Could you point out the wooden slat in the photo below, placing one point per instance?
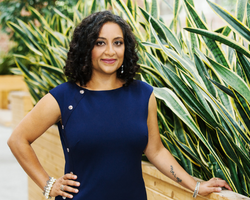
(21, 104)
(35, 193)
(10, 83)
(50, 154)
(53, 146)
(156, 183)
(154, 195)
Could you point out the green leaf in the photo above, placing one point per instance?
(147, 6)
(226, 31)
(163, 120)
(193, 156)
(194, 40)
(227, 75)
(57, 37)
(130, 5)
(16, 71)
(156, 65)
(228, 147)
(176, 8)
(155, 9)
(183, 61)
(176, 12)
(200, 97)
(191, 2)
(244, 183)
(52, 69)
(93, 6)
(163, 31)
(24, 37)
(248, 15)
(204, 74)
(77, 17)
(154, 74)
(228, 118)
(39, 36)
(223, 88)
(38, 16)
(240, 9)
(185, 163)
(186, 94)
(242, 108)
(221, 38)
(129, 16)
(23, 69)
(214, 48)
(51, 82)
(63, 16)
(245, 65)
(179, 130)
(215, 168)
(35, 95)
(240, 28)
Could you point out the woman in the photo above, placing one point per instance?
(105, 118)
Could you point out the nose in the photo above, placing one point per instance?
(109, 50)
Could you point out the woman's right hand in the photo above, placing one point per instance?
(63, 186)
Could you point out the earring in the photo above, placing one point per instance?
(122, 70)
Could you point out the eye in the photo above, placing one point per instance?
(118, 43)
(100, 43)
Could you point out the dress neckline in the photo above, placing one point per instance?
(98, 90)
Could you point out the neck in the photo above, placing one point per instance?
(104, 83)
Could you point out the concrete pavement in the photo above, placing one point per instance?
(13, 180)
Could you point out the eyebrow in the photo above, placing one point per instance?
(114, 38)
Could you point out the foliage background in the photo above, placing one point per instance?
(11, 10)
(201, 77)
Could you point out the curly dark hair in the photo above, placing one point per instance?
(79, 63)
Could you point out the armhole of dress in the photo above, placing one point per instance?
(149, 100)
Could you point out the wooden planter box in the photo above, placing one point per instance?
(49, 151)
(10, 83)
(21, 104)
(159, 187)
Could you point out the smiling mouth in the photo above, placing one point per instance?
(109, 61)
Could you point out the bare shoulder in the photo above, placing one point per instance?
(152, 108)
(152, 115)
(44, 114)
(47, 104)
(154, 141)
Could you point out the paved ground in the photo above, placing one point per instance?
(13, 180)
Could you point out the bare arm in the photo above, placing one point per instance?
(35, 123)
(159, 156)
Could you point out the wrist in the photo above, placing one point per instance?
(48, 186)
(196, 190)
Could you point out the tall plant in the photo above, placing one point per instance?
(201, 79)
(11, 10)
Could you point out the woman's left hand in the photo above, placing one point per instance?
(213, 185)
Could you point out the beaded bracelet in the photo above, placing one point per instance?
(48, 186)
(196, 190)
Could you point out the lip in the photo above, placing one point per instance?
(109, 61)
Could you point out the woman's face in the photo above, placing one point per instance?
(108, 52)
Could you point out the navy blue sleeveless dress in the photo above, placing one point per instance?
(103, 134)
